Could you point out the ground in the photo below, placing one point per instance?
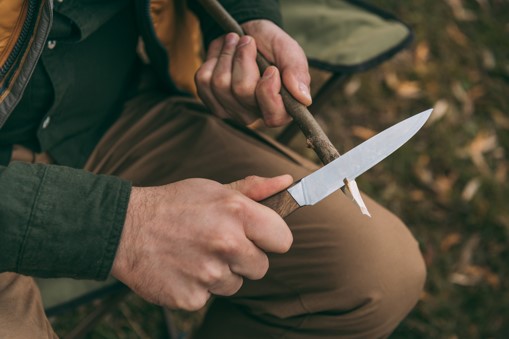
(448, 183)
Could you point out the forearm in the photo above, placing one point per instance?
(59, 222)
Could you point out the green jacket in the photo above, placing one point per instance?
(61, 221)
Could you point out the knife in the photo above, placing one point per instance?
(331, 177)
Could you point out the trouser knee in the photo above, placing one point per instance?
(380, 286)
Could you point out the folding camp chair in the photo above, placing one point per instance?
(341, 37)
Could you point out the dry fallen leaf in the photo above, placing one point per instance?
(392, 80)
(456, 35)
(501, 173)
(483, 142)
(459, 11)
(471, 189)
(443, 185)
(362, 132)
(473, 275)
(501, 120)
(488, 59)
(449, 241)
(352, 87)
(422, 170)
(409, 89)
(417, 195)
(422, 52)
(439, 110)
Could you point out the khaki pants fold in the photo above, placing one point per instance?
(346, 275)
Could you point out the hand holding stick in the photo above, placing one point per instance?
(315, 136)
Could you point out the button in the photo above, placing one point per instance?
(52, 44)
(46, 122)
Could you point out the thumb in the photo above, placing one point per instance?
(294, 69)
(259, 188)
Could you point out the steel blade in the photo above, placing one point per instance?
(328, 179)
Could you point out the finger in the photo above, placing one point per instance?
(193, 300)
(251, 263)
(263, 226)
(222, 76)
(266, 229)
(294, 69)
(203, 78)
(269, 100)
(229, 285)
(245, 73)
(259, 188)
(215, 48)
(221, 82)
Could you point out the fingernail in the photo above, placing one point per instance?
(232, 39)
(269, 73)
(244, 40)
(305, 91)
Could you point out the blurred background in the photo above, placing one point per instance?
(448, 183)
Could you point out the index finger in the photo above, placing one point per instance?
(266, 229)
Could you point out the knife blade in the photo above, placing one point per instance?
(331, 177)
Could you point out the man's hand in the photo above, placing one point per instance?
(185, 241)
(229, 81)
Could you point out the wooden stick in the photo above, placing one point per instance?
(315, 136)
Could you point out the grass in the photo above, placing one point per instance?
(448, 184)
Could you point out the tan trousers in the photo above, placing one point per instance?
(346, 275)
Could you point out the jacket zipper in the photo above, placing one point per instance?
(23, 38)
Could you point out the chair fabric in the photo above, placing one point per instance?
(344, 36)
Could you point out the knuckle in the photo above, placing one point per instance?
(228, 245)
(221, 81)
(193, 302)
(235, 204)
(244, 90)
(203, 77)
(211, 275)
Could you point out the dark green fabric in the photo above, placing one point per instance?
(5, 154)
(75, 122)
(91, 78)
(60, 221)
(344, 36)
(22, 125)
(110, 50)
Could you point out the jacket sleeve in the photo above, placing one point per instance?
(242, 11)
(57, 221)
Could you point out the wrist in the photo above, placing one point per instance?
(125, 257)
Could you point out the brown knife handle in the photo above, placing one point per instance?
(282, 202)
